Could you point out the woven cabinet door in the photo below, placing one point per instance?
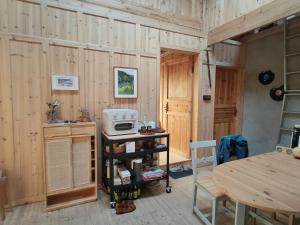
(81, 159)
(58, 164)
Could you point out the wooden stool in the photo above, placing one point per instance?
(3, 196)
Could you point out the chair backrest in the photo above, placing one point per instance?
(201, 146)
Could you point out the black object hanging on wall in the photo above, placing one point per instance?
(266, 77)
(277, 93)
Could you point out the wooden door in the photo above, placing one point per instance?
(58, 164)
(177, 102)
(228, 102)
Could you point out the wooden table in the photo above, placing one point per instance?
(269, 182)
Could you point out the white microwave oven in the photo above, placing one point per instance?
(120, 121)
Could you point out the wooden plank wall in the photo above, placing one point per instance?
(188, 11)
(230, 54)
(219, 12)
(185, 8)
(39, 38)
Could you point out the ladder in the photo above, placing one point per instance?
(290, 114)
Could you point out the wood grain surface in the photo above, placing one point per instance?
(269, 182)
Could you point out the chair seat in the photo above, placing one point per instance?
(209, 185)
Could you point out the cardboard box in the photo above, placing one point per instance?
(130, 147)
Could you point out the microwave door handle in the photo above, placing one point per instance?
(123, 121)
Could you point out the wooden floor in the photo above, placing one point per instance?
(164, 209)
(174, 158)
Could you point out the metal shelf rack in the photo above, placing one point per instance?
(110, 155)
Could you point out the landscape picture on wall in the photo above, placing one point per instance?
(65, 82)
(125, 82)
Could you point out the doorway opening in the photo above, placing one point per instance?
(228, 102)
(179, 102)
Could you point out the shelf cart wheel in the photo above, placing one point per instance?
(168, 189)
(112, 205)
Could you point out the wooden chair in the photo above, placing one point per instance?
(3, 197)
(205, 183)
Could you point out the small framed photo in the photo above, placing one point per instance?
(62, 82)
(125, 82)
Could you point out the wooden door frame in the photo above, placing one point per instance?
(195, 92)
(240, 93)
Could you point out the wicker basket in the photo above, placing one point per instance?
(119, 148)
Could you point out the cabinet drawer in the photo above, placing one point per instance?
(83, 130)
(56, 131)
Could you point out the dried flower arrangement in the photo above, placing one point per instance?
(85, 115)
(53, 112)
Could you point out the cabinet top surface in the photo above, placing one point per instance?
(68, 124)
(134, 136)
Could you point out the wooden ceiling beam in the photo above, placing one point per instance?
(136, 9)
(295, 23)
(99, 8)
(268, 13)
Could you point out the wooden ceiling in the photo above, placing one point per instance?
(267, 14)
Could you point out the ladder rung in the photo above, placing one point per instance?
(292, 92)
(292, 54)
(291, 112)
(292, 36)
(286, 129)
(292, 73)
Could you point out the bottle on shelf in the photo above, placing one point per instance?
(116, 195)
(145, 121)
(139, 192)
(135, 192)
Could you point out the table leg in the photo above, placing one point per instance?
(240, 214)
(2, 199)
(111, 181)
(168, 162)
(291, 219)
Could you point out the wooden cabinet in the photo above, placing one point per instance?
(70, 164)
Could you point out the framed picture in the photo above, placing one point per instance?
(125, 82)
(60, 82)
